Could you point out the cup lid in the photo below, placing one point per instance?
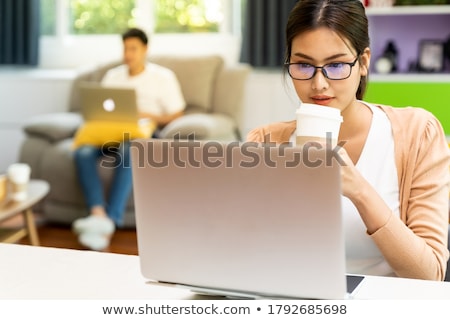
(320, 111)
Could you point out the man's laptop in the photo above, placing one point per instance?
(241, 220)
(100, 103)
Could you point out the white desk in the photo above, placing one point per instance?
(28, 272)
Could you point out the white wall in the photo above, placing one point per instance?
(26, 92)
(269, 98)
(86, 51)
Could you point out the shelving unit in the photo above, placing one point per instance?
(406, 26)
(410, 77)
(408, 10)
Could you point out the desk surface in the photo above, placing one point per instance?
(28, 272)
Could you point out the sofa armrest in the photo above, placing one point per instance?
(201, 126)
(55, 126)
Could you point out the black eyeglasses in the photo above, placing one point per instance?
(332, 71)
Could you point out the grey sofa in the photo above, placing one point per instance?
(214, 95)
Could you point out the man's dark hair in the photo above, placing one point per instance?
(135, 33)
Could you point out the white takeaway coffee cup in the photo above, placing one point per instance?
(18, 177)
(315, 123)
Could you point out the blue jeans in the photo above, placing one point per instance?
(86, 160)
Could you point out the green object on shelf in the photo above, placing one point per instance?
(432, 96)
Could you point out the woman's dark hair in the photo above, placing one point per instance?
(345, 17)
(135, 33)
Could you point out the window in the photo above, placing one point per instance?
(68, 27)
(48, 17)
(87, 17)
(178, 16)
(101, 16)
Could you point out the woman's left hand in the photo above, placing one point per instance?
(371, 207)
(351, 179)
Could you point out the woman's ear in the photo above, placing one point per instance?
(365, 62)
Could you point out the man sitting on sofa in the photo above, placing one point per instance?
(160, 99)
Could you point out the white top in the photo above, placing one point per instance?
(377, 165)
(157, 89)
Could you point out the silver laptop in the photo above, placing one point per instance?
(100, 103)
(242, 220)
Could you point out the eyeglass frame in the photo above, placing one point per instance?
(351, 64)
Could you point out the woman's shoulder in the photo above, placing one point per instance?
(408, 112)
(278, 132)
(413, 121)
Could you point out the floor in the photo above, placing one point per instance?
(124, 241)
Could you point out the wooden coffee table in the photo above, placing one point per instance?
(37, 189)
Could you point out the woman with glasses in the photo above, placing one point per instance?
(395, 178)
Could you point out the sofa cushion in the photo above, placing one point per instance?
(54, 127)
(235, 79)
(201, 126)
(31, 153)
(197, 77)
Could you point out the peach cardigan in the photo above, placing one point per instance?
(415, 245)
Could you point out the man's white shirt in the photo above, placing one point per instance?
(157, 89)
